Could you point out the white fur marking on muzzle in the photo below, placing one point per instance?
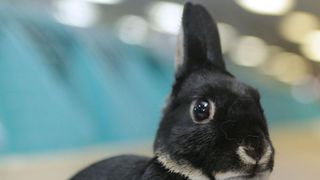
(244, 157)
(266, 156)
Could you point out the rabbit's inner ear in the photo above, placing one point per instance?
(179, 58)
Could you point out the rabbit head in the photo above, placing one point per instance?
(213, 126)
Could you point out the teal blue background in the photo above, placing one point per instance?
(62, 89)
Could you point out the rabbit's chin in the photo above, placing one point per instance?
(231, 175)
(186, 169)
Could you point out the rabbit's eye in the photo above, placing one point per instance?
(202, 110)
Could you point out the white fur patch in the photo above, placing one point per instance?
(233, 175)
(244, 157)
(183, 168)
(266, 156)
(227, 175)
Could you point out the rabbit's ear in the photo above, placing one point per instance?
(199, 42)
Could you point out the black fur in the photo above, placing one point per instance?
(210, 147)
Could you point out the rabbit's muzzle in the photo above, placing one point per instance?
(246, 127)
(250, 158)
(252, 165)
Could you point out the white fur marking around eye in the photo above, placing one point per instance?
(212, 112)
(183, 168)
(245, 158)
(266, 156)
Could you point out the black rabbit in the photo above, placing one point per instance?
(213, 126)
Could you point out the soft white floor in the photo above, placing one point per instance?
(297, 158)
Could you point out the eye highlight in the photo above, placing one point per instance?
(202, 110)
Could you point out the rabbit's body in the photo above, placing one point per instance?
(127, 167)
(213, 126)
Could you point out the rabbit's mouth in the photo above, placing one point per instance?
(242, 176)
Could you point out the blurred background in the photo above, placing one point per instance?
(81, 80)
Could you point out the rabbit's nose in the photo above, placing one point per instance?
(247, 155)
(252, 153)
(251, 156)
